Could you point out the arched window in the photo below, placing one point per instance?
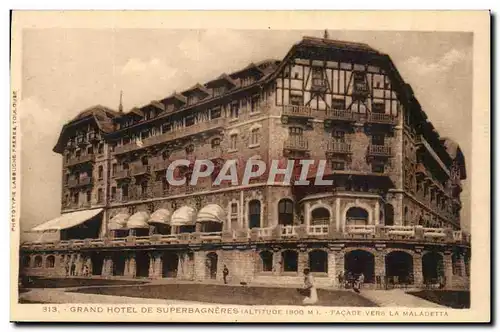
(101, 172)
(389, 214)
(144, 161)
(290, 260)
(318, 261)
(357, 216)
(285, 212)
(266, 258)
(125, 165)
(189, 149)
(50, 262)
(320, 216)
(26, 261)
(255, 136)
(38, 261)
(215, 143)
(254, 214)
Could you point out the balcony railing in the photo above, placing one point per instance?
(198, 128)
(93, 136)
(121, 174)
(360, 229)
(318, 84)
(382, 118)
(337, 146)
(288, 231)
(318, 229)
(340, 115)
(379, 150)
(80, 160)
(74, 183)
(136, 170)
(297, 111)
(82, 140)
(410, 233)
(297, 143)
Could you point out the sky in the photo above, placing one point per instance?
(68, 70)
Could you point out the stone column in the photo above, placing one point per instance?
(152, 265)
(307, 213)
(277, 268)
(303, 260)
(332, 273)
(159, 265)
(339, 258)
(380, 262)
(376, 211)
(448, 268)
(338, 221)
(107, 266)
(199, 265)
(130, 263)
(418, 278)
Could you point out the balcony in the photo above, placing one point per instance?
(94, 136)
(160, 165)
(318, 229)
(81, 140)
(137, 170)
(296, 143)
(75, 183)
(184, 132)
(296, 111)
(319, 85)
(88, 158)
(340, 115)
(121, 174)
(376, 150)
(338, 147)
(382, 118)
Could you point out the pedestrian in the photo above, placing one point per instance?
(73, 269)
(361, 280)
(309, 289)
(225, 273)
(66, 268)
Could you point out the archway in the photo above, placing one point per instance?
(141, 264)
(38, 261)
(211, 265)
(356, 216)
(285, 212)
(360, 261)
(118, 265)
(432, 267)
(320, 216)
(170, 265)
(50, 262)
(26, 261)
(290, 261)
(399, 267)
(318, 261)
(266, 261)
(389, 214)
(97, 260)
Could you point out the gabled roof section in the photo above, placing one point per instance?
(249, 68)
(194, 88)
(339, 44)
(456, 154)
(174, 97)
(224, 78)
(101, 115)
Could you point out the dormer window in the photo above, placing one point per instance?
(189, 120)
(215, 113)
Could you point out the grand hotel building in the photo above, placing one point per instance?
(393, 211)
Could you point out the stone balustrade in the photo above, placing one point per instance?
(280, 232)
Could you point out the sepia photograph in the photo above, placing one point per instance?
(250, 171)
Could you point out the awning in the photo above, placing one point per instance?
(118, 222)
(211, 212)
(138, 220)
(160, 216)
(183, 216)
(67, 220)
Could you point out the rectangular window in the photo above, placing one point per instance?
(233, 142)
(234, 208)
(338, 135)
(144, 188)
(189, 120)
(235, 110)
(255, 137)
(254, 107)
(125, 191)
(89, 196)
(378, 139)
(113, 193)
(378, 107)
(100, 196)
(296, 100)
(338, 165)
(215, 113)
(166, 127)
(378, 167)
(338, 104)
(113, 168)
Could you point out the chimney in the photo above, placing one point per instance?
(120, 106)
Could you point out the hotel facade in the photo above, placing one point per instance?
(392, 212)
